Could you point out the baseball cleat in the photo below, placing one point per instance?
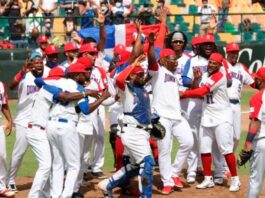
(191, 178)
(6, 193)
(167, 190)
(98, 175)
(207, 183)
(12, 187)
(235, 184)
(177, 182)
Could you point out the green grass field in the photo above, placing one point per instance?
(29, 164)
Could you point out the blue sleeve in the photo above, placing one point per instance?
(80, 88)
(39, 82)
(185, 79)
(84, 106)
(55, 91)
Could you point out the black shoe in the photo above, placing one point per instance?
(98, 175)
(12, 187)
(77, 195)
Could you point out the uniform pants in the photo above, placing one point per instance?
(180, 129)
(236, 110)
(20, 148)
(65, 143)
(3, 168)
(257, 169)
(38, 141)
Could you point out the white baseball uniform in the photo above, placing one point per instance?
(27, 91)
(257, 168)
(166, 104)
(240, 77)
(64, 141)
(3, 167)
(193, 110)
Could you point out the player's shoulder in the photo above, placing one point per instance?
(217, 76)
(257, 96)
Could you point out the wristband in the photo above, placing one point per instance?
(250, 136)
(84, 94)
(18, 76)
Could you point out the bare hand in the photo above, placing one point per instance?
(139, 59)
(101, 18)
(8, 128)
(138, 23)
(117, 97)
(76, 37)
(163, 17)
(248, 147)
(26, 67)
(92, 93)
(197, 73)
(105, 94)
(151, 38)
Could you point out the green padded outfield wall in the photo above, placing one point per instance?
(252, 55)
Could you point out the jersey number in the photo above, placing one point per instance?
(209, 98)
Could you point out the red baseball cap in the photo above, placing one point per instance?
(85, 61)
(137, 69)
(70, 46)
(118, 49)
(51, 49)
(208, 38)
(230, 47)
(166, 52)
(42, 39)
(88, 47)
(77, 68)
(123, 58)
(56, 71)
(260, 73)
(196, 40)
(217, 57)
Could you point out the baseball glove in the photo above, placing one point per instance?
(244, 156)
(158, 131)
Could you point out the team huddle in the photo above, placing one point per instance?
(193, 97)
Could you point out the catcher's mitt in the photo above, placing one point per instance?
(158, 131)
(243, 157)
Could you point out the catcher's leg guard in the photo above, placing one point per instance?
(122, 176)
(146, 177)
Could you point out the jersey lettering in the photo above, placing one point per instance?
(238, 76)
(32, 89)
(202, 68)
(169, 78)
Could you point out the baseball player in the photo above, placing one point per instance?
(136, 107)
(52, 55)
(27, 91)
(71, 53)
(43, 42)
(165, 83)
(193, 106)
(216, 120)
(255, 137)
(4, 192)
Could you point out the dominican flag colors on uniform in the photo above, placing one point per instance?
(118, 34)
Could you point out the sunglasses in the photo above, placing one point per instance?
(178, 42)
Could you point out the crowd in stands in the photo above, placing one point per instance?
(27, 19)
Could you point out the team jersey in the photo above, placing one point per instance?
(257, 111)
(240, 77)
(101, 61)
(27, 91)
(99, 75)
(180, 68)
(216, 106)
(67, 110)
(65, 64)
(3, 95)
(41, 106)
(165, 87)
(135, 104)
(193, 63)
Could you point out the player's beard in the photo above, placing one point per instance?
(37, 73)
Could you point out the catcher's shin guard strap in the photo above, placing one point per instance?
(146, 177)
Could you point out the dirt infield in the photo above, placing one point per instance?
(189, 191)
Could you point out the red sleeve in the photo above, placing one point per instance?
(5, 98)
(161, 36)
(225, 64)
(121, 78)
(153, 67)
(214, 79)
(196, 93)
(103, 76)
(255, 105)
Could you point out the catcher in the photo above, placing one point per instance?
(254, 149)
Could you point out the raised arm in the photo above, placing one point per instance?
(152, 64)
(162, 31)
(102, 32)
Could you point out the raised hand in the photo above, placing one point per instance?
(101, 18)
(163, 17)
(151, 38)
(138, 24)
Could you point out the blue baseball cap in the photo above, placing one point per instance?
(34, 55)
